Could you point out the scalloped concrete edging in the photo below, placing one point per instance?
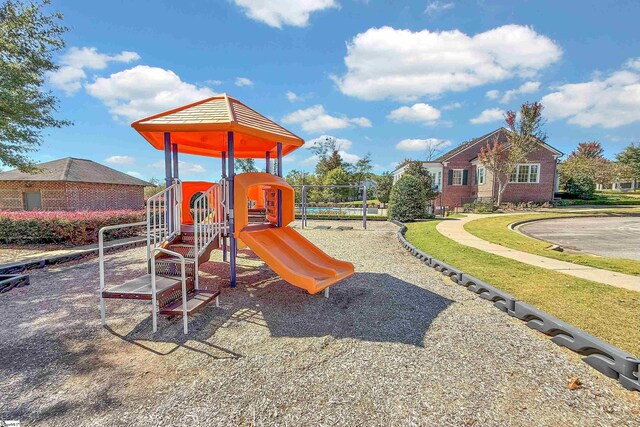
(10, 281)
(603, 357)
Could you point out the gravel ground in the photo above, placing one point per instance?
(394, 345)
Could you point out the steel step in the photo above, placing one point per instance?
(140, 288)
(195, 301)
(173, 268)
(184, 249)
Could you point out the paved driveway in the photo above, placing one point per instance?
(617, 237)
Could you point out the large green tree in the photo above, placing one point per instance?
(629, 160)
(29, 36)
(336, 176)
(246, 165)
(383, 189)
(416, 169)
(408, 200)
(587, 160)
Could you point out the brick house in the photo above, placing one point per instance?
(460, 177)
(71, 184)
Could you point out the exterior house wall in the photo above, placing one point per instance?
(543, 190)
(465, 158)
(71, 196)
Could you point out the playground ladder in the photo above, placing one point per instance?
(174, 253)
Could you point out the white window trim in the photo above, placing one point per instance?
(537, 181)
(461, 177)
(484, 175)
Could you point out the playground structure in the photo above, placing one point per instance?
(304, 203)
(188, 220)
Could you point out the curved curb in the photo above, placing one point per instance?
(603, 357)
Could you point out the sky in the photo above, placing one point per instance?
(389, 78)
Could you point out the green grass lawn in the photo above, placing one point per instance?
(495, 230)
(609, 313)
(606, 198)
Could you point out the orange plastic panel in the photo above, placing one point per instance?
(256, 194)
(294, 258)
(189, 188)
(242, 185)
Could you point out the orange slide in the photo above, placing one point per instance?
(294, 258)
(289, 254)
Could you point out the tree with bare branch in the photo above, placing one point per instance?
(524, 134)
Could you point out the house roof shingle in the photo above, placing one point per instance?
(71, 169)
(464, 146)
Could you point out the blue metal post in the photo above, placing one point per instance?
(268, 158)
(279, 191)
(174, 151)
(233, 244)
(168, 180)
(224, 177)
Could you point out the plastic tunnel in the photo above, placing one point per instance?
(289, 254)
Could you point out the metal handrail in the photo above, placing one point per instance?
(208, 222)
(158, 226)
(183, 279)
(101, 258)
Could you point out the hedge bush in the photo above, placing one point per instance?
(408, 200)
(581, 186)
(69, 228)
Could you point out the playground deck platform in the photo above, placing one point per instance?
(395, 344)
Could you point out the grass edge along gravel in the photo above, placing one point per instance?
(606, 312)
(495, 230)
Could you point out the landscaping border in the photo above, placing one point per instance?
(603, 357)
(30, 264)
(10, 281)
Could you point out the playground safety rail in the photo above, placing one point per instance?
(163, 216)
(101, 257)
(208, 220)
(183, 280)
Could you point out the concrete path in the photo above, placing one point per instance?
(454, 229)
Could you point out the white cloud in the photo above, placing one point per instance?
(70, 75)
(120, 160)
(406, 65)
(277, 13)
(135, 174)
(349, 157)
(431, 144)
(341, 143)
(493, 94)
(213, 82)
(452, 106)
(316, 119)
(243, 81)
(419, 112)
(142, 91)
(488, 116)
(183, 166)
(526, 87)
(633, 63)
(435, 7)
(309, 161)
(608, 102)
(292, 96)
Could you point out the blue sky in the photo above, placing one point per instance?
(385, 77)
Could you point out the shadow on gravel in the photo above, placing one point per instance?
(373, 307)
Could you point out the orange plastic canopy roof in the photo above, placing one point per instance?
(202, 129)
